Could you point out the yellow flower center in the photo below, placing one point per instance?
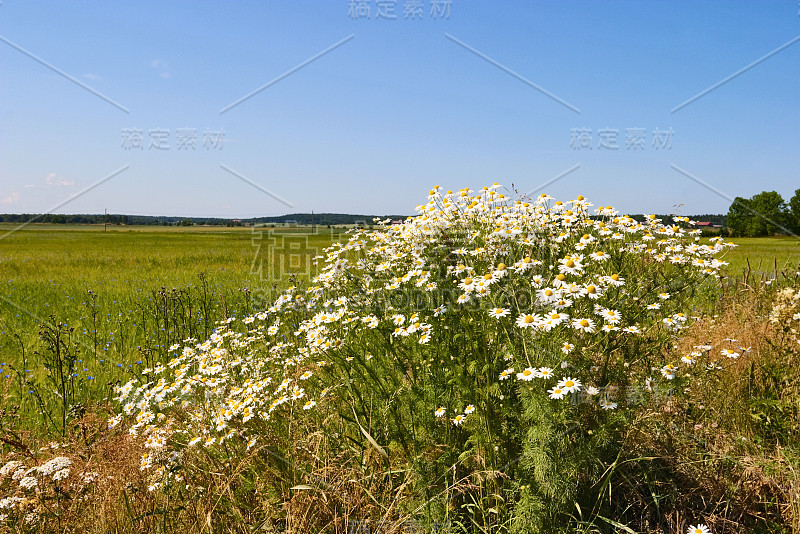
(584, 323)
(528, 319)
(591, 289)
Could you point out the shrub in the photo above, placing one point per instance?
(479, 359)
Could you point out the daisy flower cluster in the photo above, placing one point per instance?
(477, 285)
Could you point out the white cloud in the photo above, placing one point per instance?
(162, 67)
(13, 198)
(53, 180)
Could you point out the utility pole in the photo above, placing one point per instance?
(105, 220)
(312, 221)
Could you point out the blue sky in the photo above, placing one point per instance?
(579, 97)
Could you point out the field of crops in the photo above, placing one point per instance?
(89, 314)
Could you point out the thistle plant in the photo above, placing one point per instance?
(490, 345)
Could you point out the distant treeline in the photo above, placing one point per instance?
(323, 219)
(706, 217)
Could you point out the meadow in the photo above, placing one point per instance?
(127, 292)
(764, 255)
(87, 315)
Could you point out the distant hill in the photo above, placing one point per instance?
(148, 220)
(323, 219)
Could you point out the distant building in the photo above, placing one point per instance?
(703, 223)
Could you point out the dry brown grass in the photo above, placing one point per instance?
(714, 455)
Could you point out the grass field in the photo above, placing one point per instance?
(150, 287)
(765, 255)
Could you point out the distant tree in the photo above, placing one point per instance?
(739, 215)
(763, 215)
(794, 212)
(770, 217)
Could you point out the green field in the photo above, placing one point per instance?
(765, 255)
(150, 287)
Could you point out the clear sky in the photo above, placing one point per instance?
(241, 109)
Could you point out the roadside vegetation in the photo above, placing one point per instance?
(497, 364)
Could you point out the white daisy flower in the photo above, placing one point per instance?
(543, 372)
(527, 321)
(607, 404)
(499, 312)
(584, 325)
(668, 371)
(570, 385)
(730, 353)
(527, 374)
(507, 373)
